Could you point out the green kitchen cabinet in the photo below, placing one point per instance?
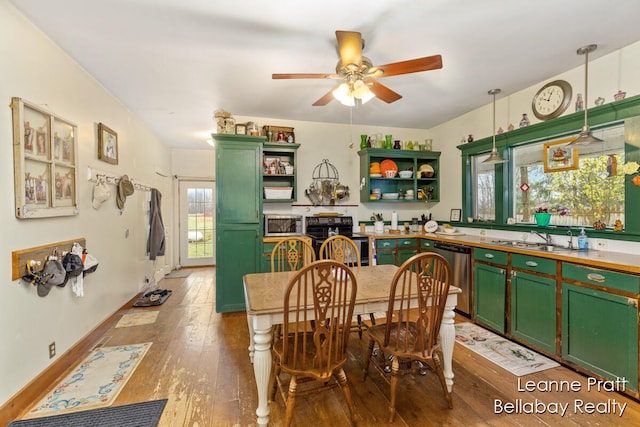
(600, 327)
(490, 289)
(406, 249)
(385, 251)
(427, 245)
(404, 160)
(238, 216)
(533, 301)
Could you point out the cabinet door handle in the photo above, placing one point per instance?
(632, 303)
(406, 243)
(596, 277)
(531, 263)
(490, 256)
(386, 244)
(502, 271)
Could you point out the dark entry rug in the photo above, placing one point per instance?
(143, 414)
(153, 298)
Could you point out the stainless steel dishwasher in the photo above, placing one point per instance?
(459, 258)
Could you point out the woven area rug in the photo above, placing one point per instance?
(94, 383)
(144, 414)
(136, 319)
(508, 355)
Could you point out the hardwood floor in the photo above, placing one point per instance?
(199, 362)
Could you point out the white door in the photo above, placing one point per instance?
(197, 223)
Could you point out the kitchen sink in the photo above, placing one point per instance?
(534, 246)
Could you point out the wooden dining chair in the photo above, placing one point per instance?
(291, 254)
(319, 302)
(343, 249)
(410, 340)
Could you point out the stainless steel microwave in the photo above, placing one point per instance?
(283, 225)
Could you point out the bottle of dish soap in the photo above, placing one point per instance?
(582, 240)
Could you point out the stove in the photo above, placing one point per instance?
(320, 228)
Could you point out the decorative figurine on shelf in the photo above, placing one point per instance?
(396, 145)
(620, 95)
(470, 138)
(500, 130)
(511, 126)
(599, 101)
(524, 121)
(599, 225)
(618, 226)
(280, 137)
(579, 102)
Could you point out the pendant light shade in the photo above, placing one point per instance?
(585, 137)
(494, 157)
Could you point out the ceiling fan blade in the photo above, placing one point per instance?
(411, 66)
(326, 98)
(382, 92)
(304, 76)
(350, 47)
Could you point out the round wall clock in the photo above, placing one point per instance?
(551, 100)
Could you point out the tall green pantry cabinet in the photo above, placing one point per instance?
(238, 216)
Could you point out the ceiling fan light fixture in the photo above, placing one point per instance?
(343, 95)
(494, 157)
(585, 137)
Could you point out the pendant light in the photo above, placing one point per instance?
(494, 157)
(585, 137)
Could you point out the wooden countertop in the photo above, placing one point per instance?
(628, 263)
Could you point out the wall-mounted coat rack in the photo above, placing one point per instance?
(20, 258)
(94, 174)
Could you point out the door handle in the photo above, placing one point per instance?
(490, 256)
(531, 263)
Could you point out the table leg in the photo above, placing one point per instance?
(447, 338)
(262, 370)
(251, 341)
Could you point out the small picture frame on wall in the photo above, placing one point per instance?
(558, 157)
(456, 215)
(107, 144)
(241, 129)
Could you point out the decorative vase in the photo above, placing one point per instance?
(543, 219)
(388, 143)
(363, 141)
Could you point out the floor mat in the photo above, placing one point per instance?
(94, 383)
(143, 414)
(151, 299)
(135, 319)
(508, 355)
(177, 274)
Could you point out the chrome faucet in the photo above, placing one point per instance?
(570, 234)
(545, 236)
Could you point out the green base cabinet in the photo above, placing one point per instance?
(600, 333)
(490, 296)
(238, 254)
(533, 310)
(406, 249)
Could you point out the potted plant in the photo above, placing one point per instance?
(543, 217)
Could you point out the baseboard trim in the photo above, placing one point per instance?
(21, 402)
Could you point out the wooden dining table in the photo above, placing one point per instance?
(264, 298)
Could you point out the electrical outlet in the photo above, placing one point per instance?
(600, 245)
(147, 280)
(52, 350)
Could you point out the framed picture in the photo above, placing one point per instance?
(45, 162)
(241, 129)
(558, 157)
(456, 214)
(107, 144)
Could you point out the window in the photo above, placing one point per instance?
(483, 188)
(594, 191)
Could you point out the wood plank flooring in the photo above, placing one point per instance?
(199, 362)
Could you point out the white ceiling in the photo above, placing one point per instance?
(173, 62)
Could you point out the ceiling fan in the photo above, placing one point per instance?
(359, 73)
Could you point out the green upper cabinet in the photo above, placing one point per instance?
(428, 183)
(279, 172)
(238, 183)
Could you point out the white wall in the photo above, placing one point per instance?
(35, 69)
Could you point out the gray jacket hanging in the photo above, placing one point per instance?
(156, 242)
